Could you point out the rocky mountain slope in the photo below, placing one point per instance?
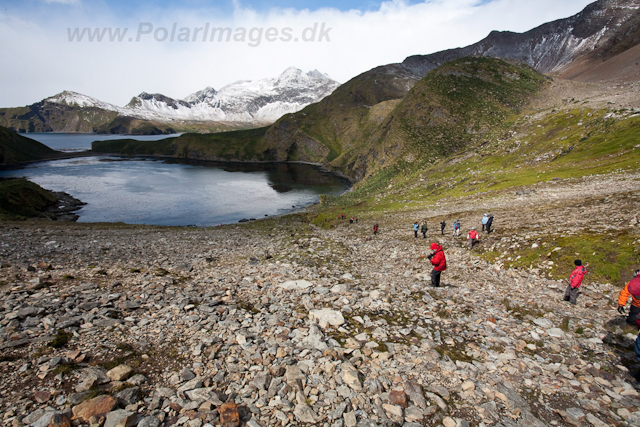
(240, 104)
(280, 322)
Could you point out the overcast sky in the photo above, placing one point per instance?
(350, 37)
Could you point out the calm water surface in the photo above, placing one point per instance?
(148, 191)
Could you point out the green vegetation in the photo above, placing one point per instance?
(225, 146)
(61, 339)
(16, 148)
(20, 198)
(608, 255)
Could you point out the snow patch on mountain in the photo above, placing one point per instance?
(258, 102)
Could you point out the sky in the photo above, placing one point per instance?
(179, 47)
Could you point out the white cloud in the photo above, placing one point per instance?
(44, 61)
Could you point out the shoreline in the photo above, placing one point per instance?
(69, 211)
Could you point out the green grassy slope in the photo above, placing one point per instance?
(16, 148)
(22, 198)
(247, 145)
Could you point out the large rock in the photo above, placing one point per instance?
(98, 406)
(326, 317)
(295, 285)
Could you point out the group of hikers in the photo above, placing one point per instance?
(472, 235)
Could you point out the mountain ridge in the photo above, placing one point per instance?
(244, 103)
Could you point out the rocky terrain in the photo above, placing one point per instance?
(280, 322)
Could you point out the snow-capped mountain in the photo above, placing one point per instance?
(238, 105)
(260, 101)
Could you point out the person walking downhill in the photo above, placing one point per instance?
(416, 227)
(443, 224)
(424, 229)
(456, 228)
(575, 280)
(439, 262)
(489, 223)
(485, 219)
(631, 289)
(472, 237)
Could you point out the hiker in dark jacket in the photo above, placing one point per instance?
(443, 224)
(439, 262)
(424, 229)
(489, 222)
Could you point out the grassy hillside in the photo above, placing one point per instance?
(16, 148)
(226, 146)
(22, 198)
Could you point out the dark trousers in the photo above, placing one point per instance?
(633, 315)
(488, 228)
(435, 278)
(483, 226)
(442, 231)
(424, 234)
(571, 294)
(415, 233)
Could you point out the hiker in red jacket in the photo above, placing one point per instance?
(439, 262)
(631, 289)
(472, 237)
(575, 280)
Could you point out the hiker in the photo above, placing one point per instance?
(351, 220)
(575, 280)
(636, 349)
(485, 219)
(443, 224)
(424, 229)
(472, 237)
(631, 289)
(489, 222)
(439, 262)
(416, 227)
(356, 221)
(375, 229)
(456, 228)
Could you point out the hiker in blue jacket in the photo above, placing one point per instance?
(416, 228)
(485, 219)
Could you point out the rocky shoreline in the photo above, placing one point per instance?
(278, 322)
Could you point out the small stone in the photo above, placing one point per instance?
(399, 398)
(350, 419)
(98, 406)
(305, 414)
(60, 420)
(229, 416)
(120, 418)
(41, 396)
(326, 317)
(120, 373)
(448, 422)
(351, 376)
